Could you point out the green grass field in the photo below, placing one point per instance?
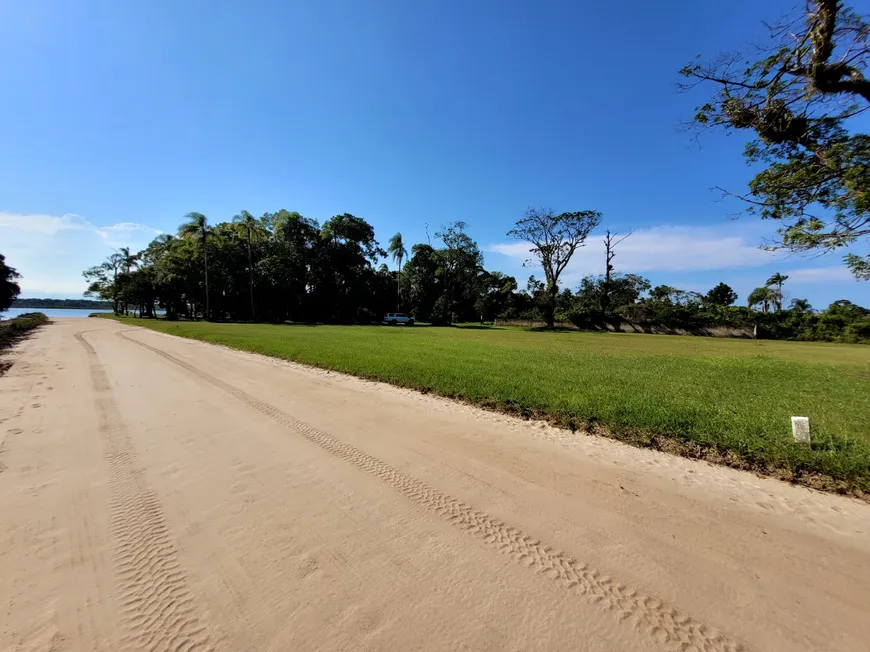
(728, 401)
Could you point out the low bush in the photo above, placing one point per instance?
(14, 329)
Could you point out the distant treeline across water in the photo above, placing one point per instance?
(77, 304)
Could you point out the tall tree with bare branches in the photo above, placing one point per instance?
(610, 242)
(554, 239)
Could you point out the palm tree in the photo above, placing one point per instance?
(248, 224)
(197, 226)
(801, 305)
(396, 249)
(127, 259)
(761, 296)
(777, 280)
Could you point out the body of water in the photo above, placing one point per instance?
(49, 312)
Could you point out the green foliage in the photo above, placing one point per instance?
(460, 270)
(763, 297)
(801, 306)
(669, 309)
(554, 239)
(396, 250)
(858, 330)
(422, 282)
(776, 296)
(8, 287)
(721, 295)
(623, 290)
(798, 96)
(859, 266)
(286, 267)
(16, 328)
(732, 398)
(496, 295)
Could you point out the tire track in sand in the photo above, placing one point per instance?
(156, 605)
(665, 624)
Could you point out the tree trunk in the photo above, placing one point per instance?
(399, 287)
(205, 266)
(550, 305)
(608, 269)
(251, 276)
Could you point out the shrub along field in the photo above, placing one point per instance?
(15, 329)
(728, 401)
(11, 330)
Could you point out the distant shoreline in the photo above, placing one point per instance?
(74, 304)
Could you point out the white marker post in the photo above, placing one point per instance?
(800, 429)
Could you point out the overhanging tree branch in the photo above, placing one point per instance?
(797, 96)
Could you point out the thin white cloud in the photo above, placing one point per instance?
(819, 275)
(51, 251)
(118, 235)
(44, 224)
(660, 249)
(51, 225)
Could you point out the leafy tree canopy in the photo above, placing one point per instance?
(798, 96)
(721, 295)
(9, 289)
(554, 239)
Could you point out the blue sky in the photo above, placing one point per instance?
(120, 117)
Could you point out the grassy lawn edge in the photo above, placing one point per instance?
(804, 473)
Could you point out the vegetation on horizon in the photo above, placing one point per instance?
(554, 239)
(286, 267)
(72, 304)
(728, 401)
(798, 98)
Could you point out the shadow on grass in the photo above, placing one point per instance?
(555, 329)
(310, 324)
(477, 327)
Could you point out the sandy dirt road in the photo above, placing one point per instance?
(163, 494)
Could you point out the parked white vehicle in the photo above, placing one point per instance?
(393, 318)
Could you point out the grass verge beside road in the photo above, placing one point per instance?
(12, 330)
(726, 401)
(15, 329)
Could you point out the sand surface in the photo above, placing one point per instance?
(163, 494)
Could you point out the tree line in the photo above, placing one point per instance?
(67, 304)
(283, 266)
(630, 298)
